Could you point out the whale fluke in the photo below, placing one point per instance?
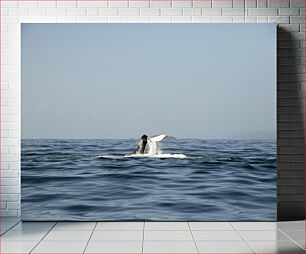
(157, 138)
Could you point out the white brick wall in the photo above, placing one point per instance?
(288, 13)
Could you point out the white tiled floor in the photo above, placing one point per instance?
(216, 236)
(169, 247)
(67, 236)
(224, 247)
(114, 247)
(167, 236)
(152, 237)
(129, 236)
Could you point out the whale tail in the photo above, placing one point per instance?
(153, 146)
(142, 145)
(157, 138)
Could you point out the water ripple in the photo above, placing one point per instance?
(94, 180)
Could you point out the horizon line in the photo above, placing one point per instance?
(168, 137)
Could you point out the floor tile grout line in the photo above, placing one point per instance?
(193, 237)
(143, 232)
(93, 230)
(244, 240)
(232, 225)
(290, 238)
(143, 229)
(42, 238)
(273, 225)
(10, 228)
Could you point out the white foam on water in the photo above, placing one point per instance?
(146, 155)
(154, 148)
(111, 156)
(163, 155)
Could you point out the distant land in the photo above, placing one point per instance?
(266, 135)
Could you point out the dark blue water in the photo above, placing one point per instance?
(220, 180)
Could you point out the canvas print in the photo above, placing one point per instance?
(154, 122)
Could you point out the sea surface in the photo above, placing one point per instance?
(188, 179)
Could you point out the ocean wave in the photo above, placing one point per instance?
(185, 180)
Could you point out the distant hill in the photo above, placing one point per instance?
(257, 135)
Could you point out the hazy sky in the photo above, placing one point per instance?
(124, 80)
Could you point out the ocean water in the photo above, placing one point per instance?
(189, 179)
